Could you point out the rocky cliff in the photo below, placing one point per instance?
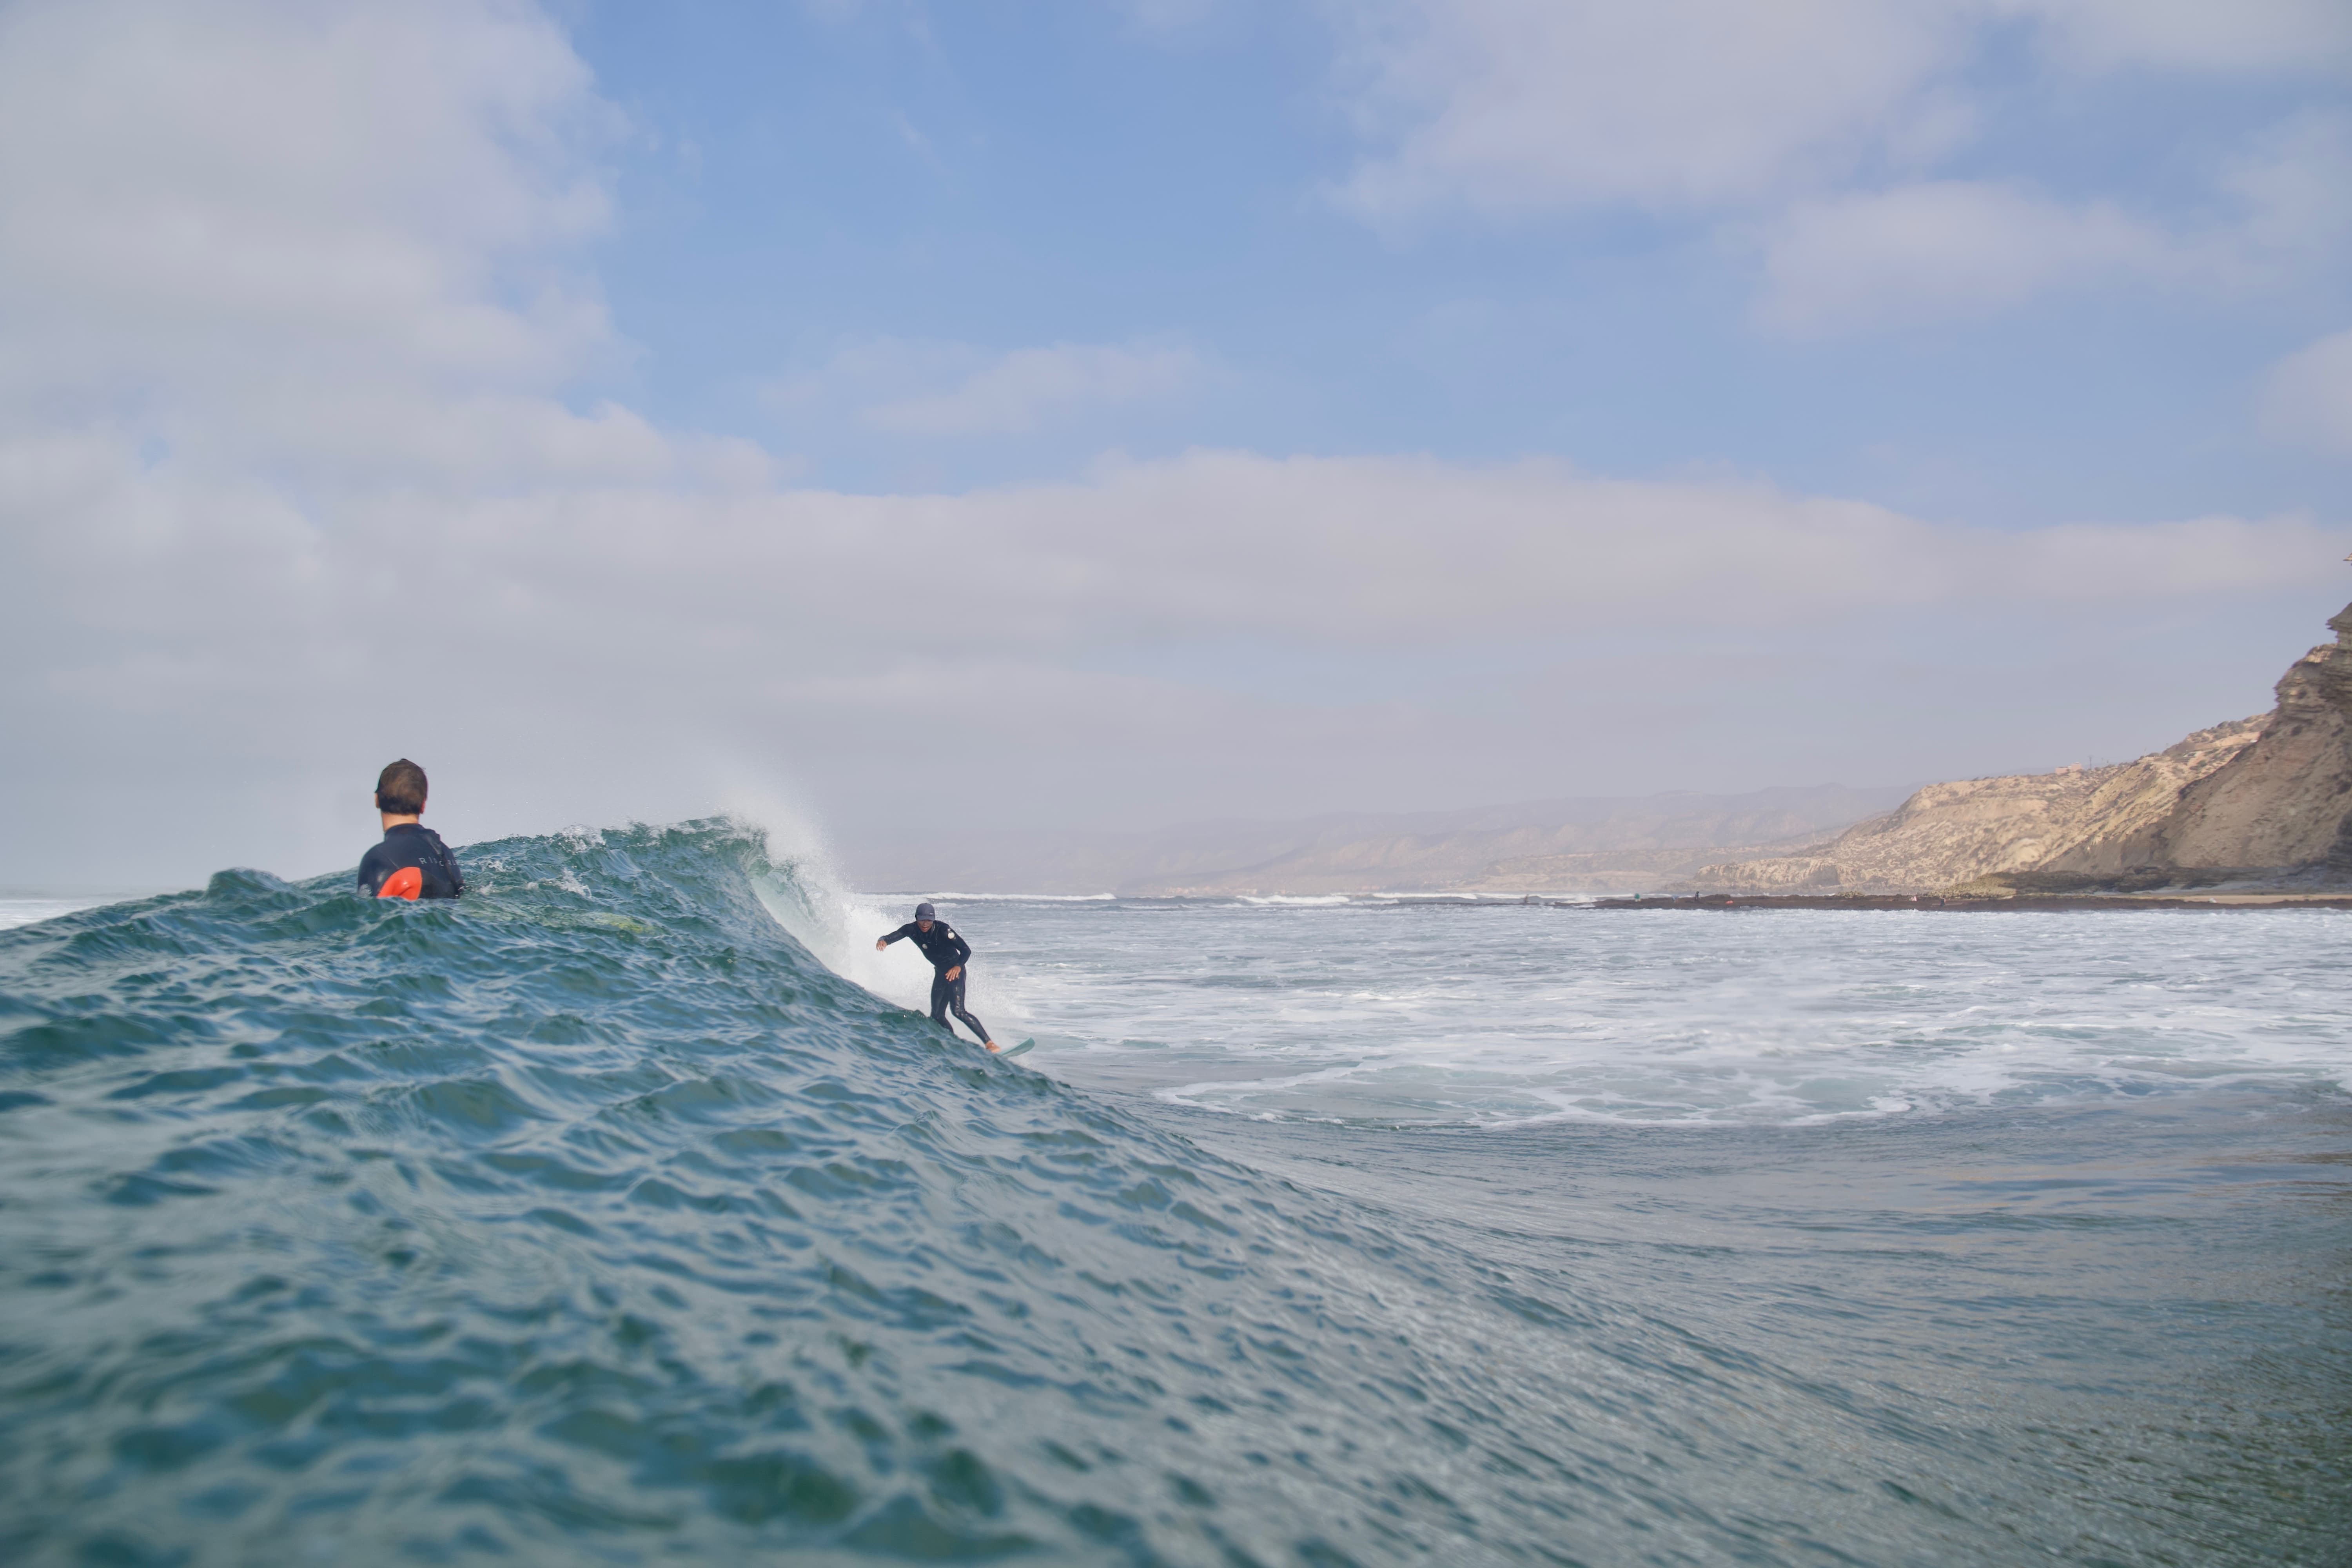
(1949, 834)
(2280, 804)
(2256, 800)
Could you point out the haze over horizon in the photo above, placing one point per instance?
(1103, 416)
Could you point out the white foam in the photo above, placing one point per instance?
(839, 926)
(1364, 1010)
(17, 912)
(1008, 898)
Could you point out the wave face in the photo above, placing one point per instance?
(592, 1220)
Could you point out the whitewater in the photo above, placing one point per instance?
(628, 1211)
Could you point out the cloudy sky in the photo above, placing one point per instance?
(936, 417)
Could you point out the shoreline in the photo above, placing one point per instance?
(2025, 901)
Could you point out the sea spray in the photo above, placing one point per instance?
(799, 883)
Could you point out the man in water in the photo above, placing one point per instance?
(948, 953)
(412, 862)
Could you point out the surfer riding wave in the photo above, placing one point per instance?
(947, 953)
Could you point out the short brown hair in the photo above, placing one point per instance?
(399, 788)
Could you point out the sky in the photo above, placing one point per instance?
(895, 419)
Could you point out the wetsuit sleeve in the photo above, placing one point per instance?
(962, 950)
(907, 930)
(449, 867)
(375, 866)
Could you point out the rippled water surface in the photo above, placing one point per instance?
(594, 1219)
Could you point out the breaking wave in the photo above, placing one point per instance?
(592, 1219)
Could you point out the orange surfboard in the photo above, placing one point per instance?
(409, 882)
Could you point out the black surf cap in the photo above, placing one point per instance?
(925, 913)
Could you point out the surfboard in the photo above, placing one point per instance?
(1011, 1051)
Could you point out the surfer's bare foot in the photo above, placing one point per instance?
(992, 1045)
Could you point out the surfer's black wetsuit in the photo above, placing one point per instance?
(946, 950)
(410, 846)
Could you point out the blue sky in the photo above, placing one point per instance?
(799, 183)
(892, 417)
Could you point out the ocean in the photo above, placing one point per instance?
(628, 1211)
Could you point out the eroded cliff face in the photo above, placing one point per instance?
(1949, 834)
(2282, 803)
(2260, 797)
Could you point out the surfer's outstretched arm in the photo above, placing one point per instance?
(948, 954)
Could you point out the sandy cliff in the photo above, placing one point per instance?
(1953, 833)
(2260, 798)
(2281, 802)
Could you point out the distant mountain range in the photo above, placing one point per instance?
(1599, 843)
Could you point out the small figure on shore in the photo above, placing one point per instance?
(412, 862)
(947, 953)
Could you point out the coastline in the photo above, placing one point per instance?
(2025, 901)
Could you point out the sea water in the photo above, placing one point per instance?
(627, 1212)
(1416, 1012)
(24, 909)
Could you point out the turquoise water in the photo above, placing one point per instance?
(592, 1219)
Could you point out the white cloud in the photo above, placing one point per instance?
(2291, 192)
(252, 222)
(601, 648)
(1957, 247)
(1508, 106)
(2307, 397)
(1511, 106)
(1029, 386)
(1818, 123)
(2194, 35)
(1350, 552)
(1944, 248)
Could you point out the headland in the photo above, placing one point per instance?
(2256, 810)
